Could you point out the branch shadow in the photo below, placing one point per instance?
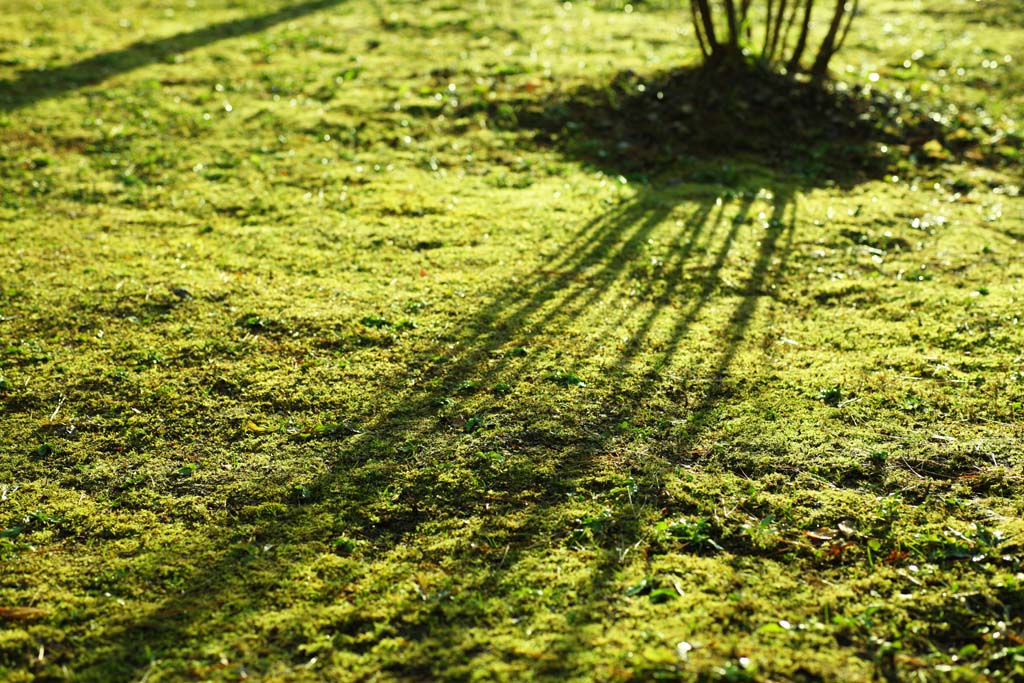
(378, 479)
(37, 85)
(598, 264)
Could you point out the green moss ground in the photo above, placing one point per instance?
(325, 356)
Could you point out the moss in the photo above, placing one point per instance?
(332, 347)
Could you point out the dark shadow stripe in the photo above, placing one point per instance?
(34, 86)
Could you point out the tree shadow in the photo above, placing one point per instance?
(811, 133)
(390, 481)
(378, 474)
(37, 85)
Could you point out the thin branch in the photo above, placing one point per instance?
(698, 29)
(734, 32)
(767, 30)
(846, 29)
(828, 46)
(801, 42)
(704, 10)
(789, 27)
(780, 19)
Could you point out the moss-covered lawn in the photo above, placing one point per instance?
(408, 341)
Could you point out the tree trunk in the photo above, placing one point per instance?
(793, 9)
(698, 29)
(767, 28)
(702, 8)
(828, 46)
(801, 42)
(846, 29)
(776, 27)
(734, 30)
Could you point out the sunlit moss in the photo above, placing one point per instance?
(314, 369)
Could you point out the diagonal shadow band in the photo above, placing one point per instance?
(592, 265)
(37, 85)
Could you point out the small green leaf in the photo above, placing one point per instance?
(187, 470)
(832, 396)
(344, 546)
(663, 595)
(642, 588)
(475, 423)
(566, 379)
(253, 321)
